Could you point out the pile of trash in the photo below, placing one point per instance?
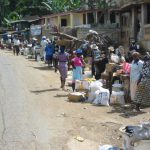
(136, 137)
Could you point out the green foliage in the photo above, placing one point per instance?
(103, 4)
(43, 7)
(61, 5)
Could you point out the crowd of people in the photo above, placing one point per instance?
(60, 57)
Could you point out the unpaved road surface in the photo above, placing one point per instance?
(35, 113)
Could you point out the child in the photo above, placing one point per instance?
(77, 65)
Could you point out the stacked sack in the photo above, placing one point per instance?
(98, 95)
(117, 96)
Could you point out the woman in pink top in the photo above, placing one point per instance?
(77, 64)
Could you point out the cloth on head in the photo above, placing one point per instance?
(78, 51)
(34, 39)
(43, 37)
(111, 49)
(94, 46)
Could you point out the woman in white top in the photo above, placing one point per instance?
(135, 74)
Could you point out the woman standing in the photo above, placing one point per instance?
(135, 74)
(49, 53)
(142, 96)
(77, 65)
(63, 58)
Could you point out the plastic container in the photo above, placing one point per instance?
(117, 98)
(117, 87)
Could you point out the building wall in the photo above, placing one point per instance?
(53, 21)
(146, 41)
(126, 27)
(77, 19)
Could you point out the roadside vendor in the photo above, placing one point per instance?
(101, 66)
(95, 60)
(135, 74)
(142, 96)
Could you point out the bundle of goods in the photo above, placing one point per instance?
(98, 95)
(83, 85)
(76, 97)
(102, 97)
(87, 75)
(108, 147)
(94, 86)
(69, 80)
(136, 137)
(117, 98)
(117, 87)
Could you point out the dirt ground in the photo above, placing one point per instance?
(36, 115)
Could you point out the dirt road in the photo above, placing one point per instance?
(35, 113)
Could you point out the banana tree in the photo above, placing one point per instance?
(61, 5)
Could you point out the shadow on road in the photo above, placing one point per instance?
(44, 68)
(61, 95)
(46, 90)
(125, 112)
(33, 60)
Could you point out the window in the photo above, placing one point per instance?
(148, 14)
(100, 17)
(90, 18)
(112, 17)
(84, 18)
(63, 22)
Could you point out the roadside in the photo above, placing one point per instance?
(38, 116)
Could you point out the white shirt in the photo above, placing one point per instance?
(16, 42)
(136, 70)
(43, 43)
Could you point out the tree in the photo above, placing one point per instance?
(43, 7)
(61, 5)
(3, 4)
(104, 4)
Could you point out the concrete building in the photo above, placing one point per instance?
(82, 21)
(135, 21)
(129, 19)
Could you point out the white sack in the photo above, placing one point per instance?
(102, 97)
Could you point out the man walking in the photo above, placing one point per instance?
(16, 46)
